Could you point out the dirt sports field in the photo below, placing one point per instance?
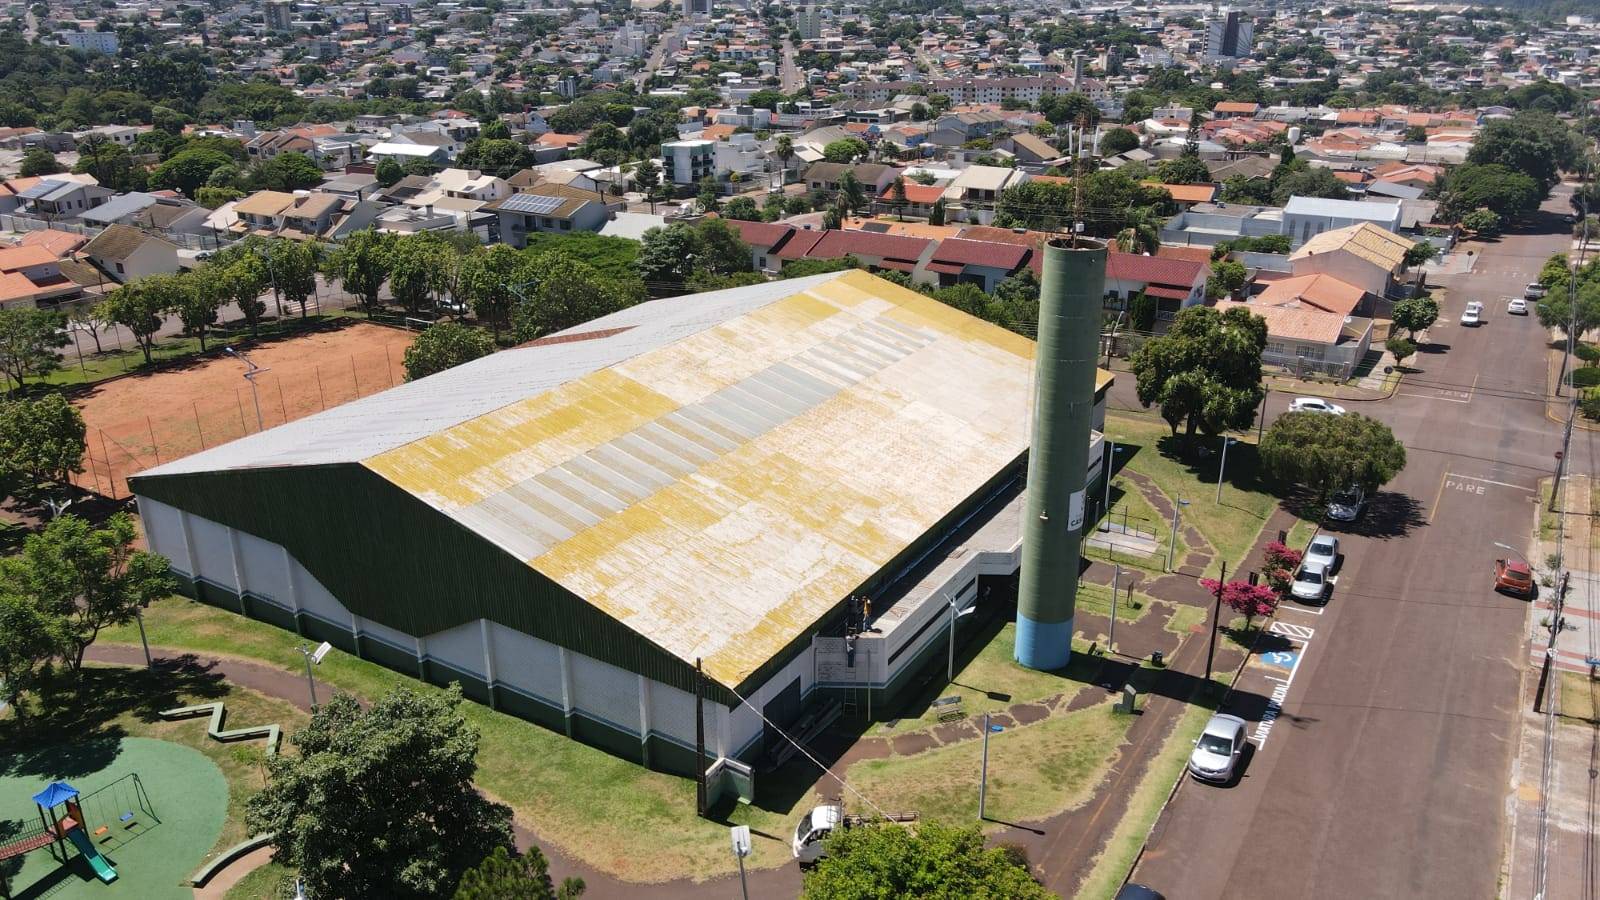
(139, 421)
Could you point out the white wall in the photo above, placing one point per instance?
(460, 647)
(163, 531)
(261, 565)
(526, 663)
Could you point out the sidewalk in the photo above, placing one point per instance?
(1552, 804)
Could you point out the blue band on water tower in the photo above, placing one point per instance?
(1043, 645)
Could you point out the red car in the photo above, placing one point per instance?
(1513, 577)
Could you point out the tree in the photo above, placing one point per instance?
(937, 212)
(361, 263)
(389, 172)
(487, 279)
(293, 269)
(502, 876)
(1312, 181)
(1491, 186)
(647, 177)
(199, 300)
(139, 306)
(565, 291)
(1556, 310)
(897, 196)
(845, 150)
(29, 341)
(188, 169)
(783, 149)
(90, 318)
(1246, 599)
(801, 268)
(1534, 143)
(395, 781)
(1321, 453)
(1400, 347)
(214, 197)
(88, 578)
(719, 249)
(667, 255)
(1415, 134)
(502, 158)
(852, 193)
(1415, 314)
(932, 860)
(245, 277)
(29, 640)
(1227, 277)
(741, 208)
(39, 161)
(43, 437)
(445, 345)
(1420, 254)
(1184, 170)
(1485, 223)
(413, 269)
(1118, 140)
(287, 172)
(1205, 372)
(1142, 311)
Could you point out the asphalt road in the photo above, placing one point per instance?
(1387, 770)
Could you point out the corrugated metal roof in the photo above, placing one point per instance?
(716, 477)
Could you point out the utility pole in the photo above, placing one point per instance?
(699, 741)
(1216, 618)
(1223, 468)
(983, 772)
(1111, 639)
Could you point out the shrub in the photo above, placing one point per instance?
(1401, 347)
(1589, 353)
(1246, 599)
(1586, 377)
(1590, 406)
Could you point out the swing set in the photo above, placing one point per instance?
(94, 823)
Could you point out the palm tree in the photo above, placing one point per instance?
(1141, 232)
(784, 150)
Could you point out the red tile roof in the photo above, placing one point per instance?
(799, 244)
(837, 244)
(761, 234)
(926, 194)
(1152, 269)
(980, 253)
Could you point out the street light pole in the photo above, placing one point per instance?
(1222, 469)
(955, 613)
(138, 616)
(1512, 549)
(1261, 417)
(250, 373)
(1172, 543)
(1111, 461)
(983, 772)
(313, 656)
(1216, 618)
(1111, 640)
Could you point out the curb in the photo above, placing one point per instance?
(228, 856)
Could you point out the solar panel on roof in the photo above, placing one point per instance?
(532, 203)
(41, 189)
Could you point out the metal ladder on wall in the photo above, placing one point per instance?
(850, 706)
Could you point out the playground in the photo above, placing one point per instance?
(130, 817)
(142, 420)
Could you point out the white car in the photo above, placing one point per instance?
(1516, 306)
(1217, 752)
(1324, 552)
(1315, 404)
(1473, 314)
(1534, 291)
(1310, 583)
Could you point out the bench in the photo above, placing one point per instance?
(948, 708)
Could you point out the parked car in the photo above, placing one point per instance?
(1217, 752)
(1513, 577)
(1315, 404)
(1473, 314)
(1310, 583)
(1323, 551)
(1516, 306)
(1534, 291)
(1347, 504)
(1131, 891)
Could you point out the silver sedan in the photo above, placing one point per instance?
(1216, 754)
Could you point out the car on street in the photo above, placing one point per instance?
(1323, 551)
(1533, 291)
(1131, 891)
(1315, 404)
(1473, 314)
(1347, 504)
(1216, 754)
(1513, 577)
(1516, 306)
(1310, 582)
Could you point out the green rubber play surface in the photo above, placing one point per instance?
(175, 820)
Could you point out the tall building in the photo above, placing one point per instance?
(279, 15)
(807, 23)
(697, 7)
(1079, 61)
(90, 41)
(1230, 34)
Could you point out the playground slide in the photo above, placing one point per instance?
(96, 861)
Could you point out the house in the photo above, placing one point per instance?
(1316, 290)
(1307, 340)
(955, 129)
(269, 144)
(403, 152)
(57, 198)
(1030, 149)
(1187, 195)
(827, 176)
(765, 240)
(1306, 217)
(30, 276)
(310, 216)
(1230, 109)
(1174, 283)
(126, 253)
(1209, 224)
(60, 243)
(972, 194)
(547, 207)
(918, 201)
(1364, 255)
(261, 212)
(983, 263)
(874, 250)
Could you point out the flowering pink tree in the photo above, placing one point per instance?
(1281, 561)
(1246, 599)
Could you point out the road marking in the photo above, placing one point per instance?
(1437, 497)
(1488, 481)
(1434, 397)
(1298, 632)
(1302, 609)
(1280, 686)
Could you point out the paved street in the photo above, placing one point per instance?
(1385, 772)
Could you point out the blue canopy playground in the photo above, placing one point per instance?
(136, 827)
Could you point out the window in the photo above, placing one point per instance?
(566, 224)
(120, 270)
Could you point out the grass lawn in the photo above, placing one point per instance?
(987, 680)
(1300, 534)
(269, 882)
(1112, 865)
(1230, 526)
(1035, 771)
(1183, 618)
(1577, 697)
(612, 814)
(107, 705)
(1129, 508)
